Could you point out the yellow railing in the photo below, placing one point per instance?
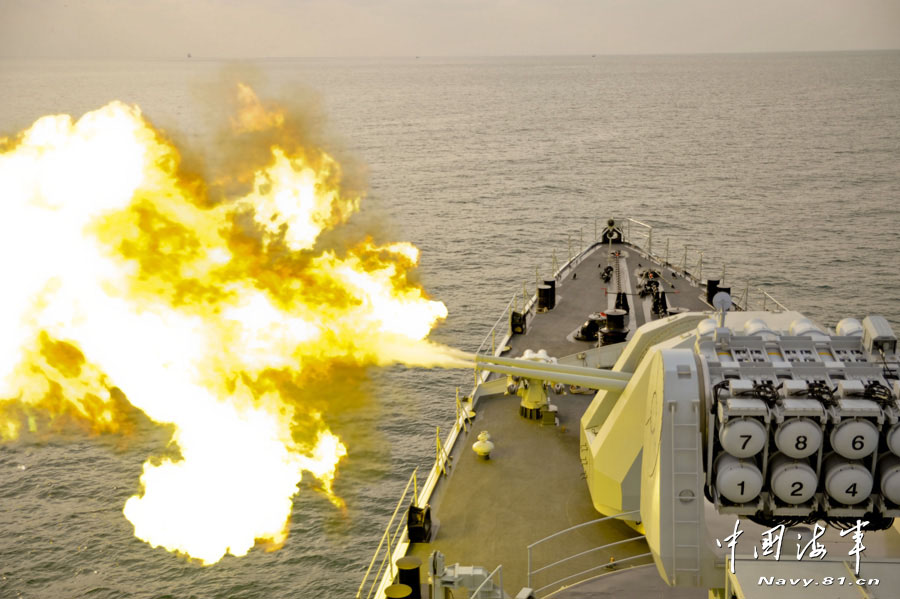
(389, 540)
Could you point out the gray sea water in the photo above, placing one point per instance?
(784, 167)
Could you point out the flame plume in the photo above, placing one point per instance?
(127, 285)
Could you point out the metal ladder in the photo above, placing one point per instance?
(686, 511)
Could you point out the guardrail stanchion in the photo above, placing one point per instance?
(440, 450)
(529, 568)
(390, 554)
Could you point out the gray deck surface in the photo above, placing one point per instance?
(488, 511)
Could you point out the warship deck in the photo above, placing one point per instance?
(486, 512)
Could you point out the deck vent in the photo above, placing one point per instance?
(408, 573)
(398, 591)
(551, 283)
(545, 298)
(712, 288)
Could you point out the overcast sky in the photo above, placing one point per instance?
(275, 28)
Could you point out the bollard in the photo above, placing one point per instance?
(398, 591)
(408, 574)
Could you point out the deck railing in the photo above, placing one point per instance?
(640, 235)
(691, 266)
(501, 328)
(587, 573)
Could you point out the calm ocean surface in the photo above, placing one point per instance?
(784, 167)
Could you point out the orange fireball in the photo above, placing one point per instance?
(126, 286)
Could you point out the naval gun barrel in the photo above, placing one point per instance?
(570, 369)
(592, 378)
